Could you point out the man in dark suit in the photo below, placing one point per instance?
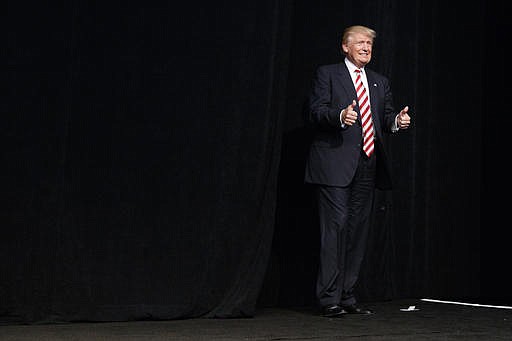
(347, 162)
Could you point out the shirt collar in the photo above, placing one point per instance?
(351, 67)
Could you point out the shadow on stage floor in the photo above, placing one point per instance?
(431, 321)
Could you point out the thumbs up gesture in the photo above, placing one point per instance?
(403, 119)
(348, 115)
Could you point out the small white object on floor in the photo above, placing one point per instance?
(411, 308)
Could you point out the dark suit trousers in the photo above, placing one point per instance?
(344, 223)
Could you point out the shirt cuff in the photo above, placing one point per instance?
(343, 125)
(394, 126)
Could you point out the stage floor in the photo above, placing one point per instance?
(432, 321)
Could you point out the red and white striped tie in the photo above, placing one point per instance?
(366, 115)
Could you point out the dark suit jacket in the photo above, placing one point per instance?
(335, 151)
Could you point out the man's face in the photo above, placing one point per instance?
(359, 49)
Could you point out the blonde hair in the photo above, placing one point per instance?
(350, 31)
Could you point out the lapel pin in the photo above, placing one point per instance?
(374, 84)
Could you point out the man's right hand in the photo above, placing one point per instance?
(348, 115)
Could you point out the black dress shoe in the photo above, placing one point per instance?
(333, 310)
(354, 309)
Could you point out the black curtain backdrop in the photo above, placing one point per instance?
(154, 155)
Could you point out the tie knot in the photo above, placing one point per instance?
(357, 71)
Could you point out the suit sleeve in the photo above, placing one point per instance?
(322, 113)
(389, 110)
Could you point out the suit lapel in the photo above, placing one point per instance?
(373, 85)
(347, 83)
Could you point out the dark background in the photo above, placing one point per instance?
(154, 154)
